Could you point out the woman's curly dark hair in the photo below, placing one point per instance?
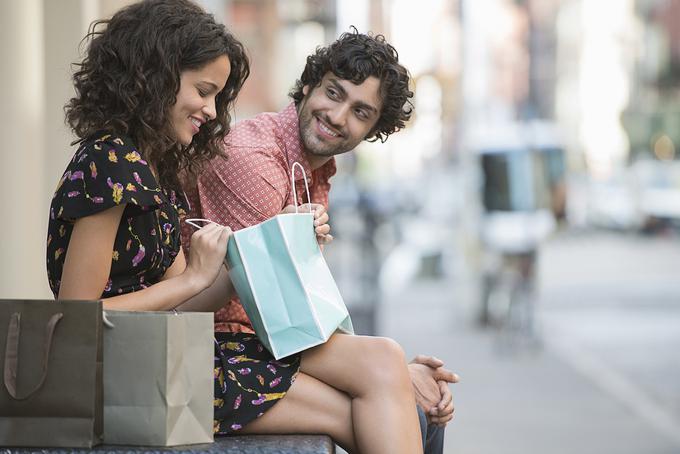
(129, 79)
(355, 57)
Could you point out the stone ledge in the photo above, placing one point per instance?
(247, 444)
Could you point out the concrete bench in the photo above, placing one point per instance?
(247, 444)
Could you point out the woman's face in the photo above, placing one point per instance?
(196, 98)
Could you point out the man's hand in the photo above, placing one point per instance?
(321, 227)
(431, 385)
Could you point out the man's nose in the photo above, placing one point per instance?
(338, 115)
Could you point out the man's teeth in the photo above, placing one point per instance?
(327, 131)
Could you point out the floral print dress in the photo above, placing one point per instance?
(107, 170)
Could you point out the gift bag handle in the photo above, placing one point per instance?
(12, 354)
(292, 183)
(194, 222)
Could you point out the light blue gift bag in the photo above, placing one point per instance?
(284, 283)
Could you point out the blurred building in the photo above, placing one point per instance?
(652, 117)
(605, 72)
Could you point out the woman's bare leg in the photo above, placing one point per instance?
(311, 407)
(357, 390)
(373, 372)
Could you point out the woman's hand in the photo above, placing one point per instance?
(208, 250)
(321, 226)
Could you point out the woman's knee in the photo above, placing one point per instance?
(384, 364)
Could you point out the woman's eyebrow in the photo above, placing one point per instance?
(207, 82)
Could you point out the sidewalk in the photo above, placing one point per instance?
(530, 401)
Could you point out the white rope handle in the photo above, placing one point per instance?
(193, 222)
(292, 182)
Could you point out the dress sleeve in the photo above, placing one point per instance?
(104, 173)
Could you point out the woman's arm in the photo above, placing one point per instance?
(212, 298)
(88, 264)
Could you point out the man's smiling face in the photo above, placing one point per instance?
(337, 115)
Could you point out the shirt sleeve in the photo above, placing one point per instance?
(321, 185)
(248, 187)
(105, 173)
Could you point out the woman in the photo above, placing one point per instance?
(152, 101)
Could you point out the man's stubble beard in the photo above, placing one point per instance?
(311, 142)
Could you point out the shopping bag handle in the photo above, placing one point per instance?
(12, 354)
(292, 183)
(193, 222)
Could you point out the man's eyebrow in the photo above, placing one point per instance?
(343, 92)
(337, 86)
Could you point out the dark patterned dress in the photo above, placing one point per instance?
(108, 170)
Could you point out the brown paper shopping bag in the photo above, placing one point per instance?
(158, 378)
(51, 366)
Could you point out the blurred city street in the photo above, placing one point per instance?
(524, 227)
(604, 376)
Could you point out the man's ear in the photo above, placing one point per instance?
(370, 136)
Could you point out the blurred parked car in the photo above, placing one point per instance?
(658, 188)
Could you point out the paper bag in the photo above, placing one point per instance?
(158, 378)
(51, 365)
(285, 285)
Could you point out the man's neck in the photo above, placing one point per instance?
(315, 161)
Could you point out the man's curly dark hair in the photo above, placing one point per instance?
(129, 79)
(355, 57)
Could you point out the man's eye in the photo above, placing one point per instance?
(361, 114)
(332, 93)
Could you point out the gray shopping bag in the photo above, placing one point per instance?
(51, 365)
(158, 378)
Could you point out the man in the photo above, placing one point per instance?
(353, 90)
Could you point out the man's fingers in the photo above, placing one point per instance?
(321, 219)
(448, 410)
(315, 208)
(430, 361)
(447, 397)
(323, 229)
(446, 375)
(324, 239)
(443, 420)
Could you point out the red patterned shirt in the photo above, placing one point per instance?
(253, 184)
